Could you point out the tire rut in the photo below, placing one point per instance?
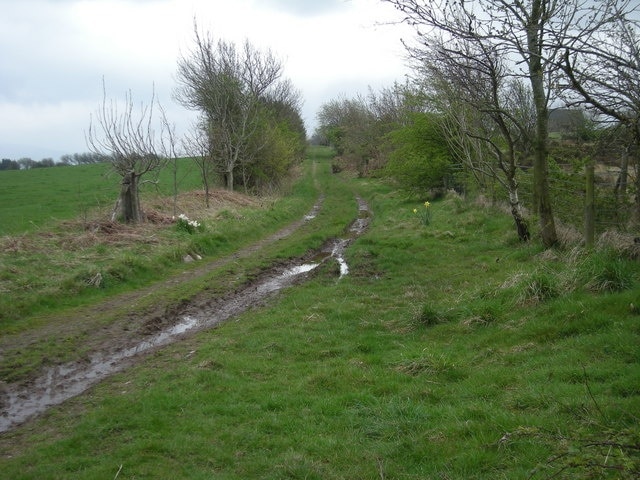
(19, 402)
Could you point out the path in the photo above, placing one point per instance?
(20, 402)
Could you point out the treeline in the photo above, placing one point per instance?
(401, 133)
(27, 163)
(249, 133)
(487, 75)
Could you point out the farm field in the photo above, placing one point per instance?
(449, 350)
(37, 198)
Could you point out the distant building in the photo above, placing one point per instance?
(566, 121)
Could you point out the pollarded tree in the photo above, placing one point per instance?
(134, 144)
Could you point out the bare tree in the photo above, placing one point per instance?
(482, 103)
(196, 144)
(602, 66)
(534, 36)
(130, 138)
(169, 151)
(350, 127)
(518, 31)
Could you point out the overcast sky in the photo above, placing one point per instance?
(55, 54)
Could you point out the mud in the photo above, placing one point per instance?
(19, 403)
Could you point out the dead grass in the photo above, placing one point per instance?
(623, 243)
(82, 233)
(193, 204)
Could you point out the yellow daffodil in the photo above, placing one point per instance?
(424, 215)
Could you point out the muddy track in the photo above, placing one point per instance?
(116, 346)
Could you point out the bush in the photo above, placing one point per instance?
(420, 160)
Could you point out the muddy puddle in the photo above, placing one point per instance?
(59, 383)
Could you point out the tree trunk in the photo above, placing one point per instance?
(541, 193)
(542, 196)
(229, 179)
(635, 217)
(516, 211)
(130, 210)
(621, 183)
(589, 206)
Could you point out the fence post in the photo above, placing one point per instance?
(589, 206)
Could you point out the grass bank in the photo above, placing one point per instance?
(450, 351)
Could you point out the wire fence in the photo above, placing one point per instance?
(584, 206)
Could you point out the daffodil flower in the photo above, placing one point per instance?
(424, 215)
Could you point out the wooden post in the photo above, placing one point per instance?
(589, 206)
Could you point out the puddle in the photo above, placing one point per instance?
(62, 382)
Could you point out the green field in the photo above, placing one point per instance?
(450, 351)
(32, 199)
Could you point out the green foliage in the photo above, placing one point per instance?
(184, 224)
(243, 101)
(283, 147)
(420, 160)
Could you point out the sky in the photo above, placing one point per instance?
(56, 53)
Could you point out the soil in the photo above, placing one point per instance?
(126, 332)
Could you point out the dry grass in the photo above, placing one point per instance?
(623, 243)
(81, 233)
(194, 204)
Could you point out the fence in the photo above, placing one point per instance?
(584, 200)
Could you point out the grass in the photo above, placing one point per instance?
(450, 351)
(38, 198)
(52, 268)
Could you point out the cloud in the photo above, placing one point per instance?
(56, 53)
(305, 7)
(39, 130)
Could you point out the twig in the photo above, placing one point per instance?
(593, 399)
(117, 473)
